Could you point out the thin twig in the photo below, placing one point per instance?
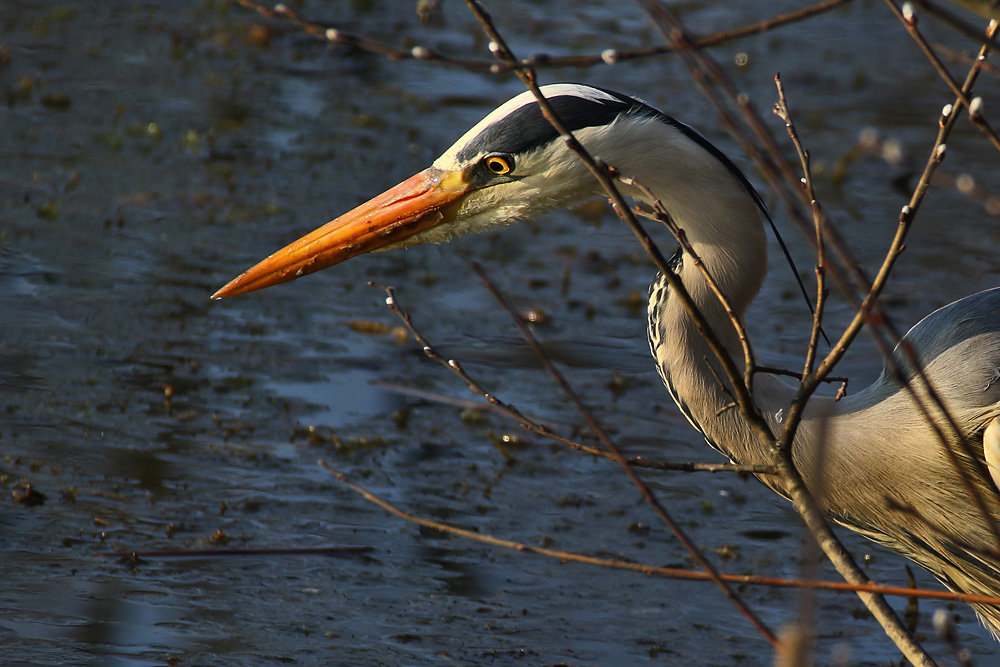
(798, 376)
(954, 21)
(957, 57)
(819, 220)
(334, 35)
(811, 549)
(511, 412)
(909, 20)
(652, 570)
(703, 68)
(643, 488)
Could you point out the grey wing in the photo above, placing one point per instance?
(959, 348)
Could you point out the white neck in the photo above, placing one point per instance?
(724, 226)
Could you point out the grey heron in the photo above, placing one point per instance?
(876, 446)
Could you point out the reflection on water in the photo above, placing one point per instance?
(153, 151)
(344, 398)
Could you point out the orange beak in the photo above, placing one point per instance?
(419, 203)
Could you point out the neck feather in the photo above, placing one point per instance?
(723, 223)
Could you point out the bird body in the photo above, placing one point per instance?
(858, 454)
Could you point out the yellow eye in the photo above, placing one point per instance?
(498, 164)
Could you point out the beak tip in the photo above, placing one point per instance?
(223, 292)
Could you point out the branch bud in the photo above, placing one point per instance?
(908, 16)
(976, 108)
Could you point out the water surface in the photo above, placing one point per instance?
(151, 151)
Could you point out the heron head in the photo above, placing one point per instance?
(510, 166)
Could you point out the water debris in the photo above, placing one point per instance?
(28, 495)
(374, 328)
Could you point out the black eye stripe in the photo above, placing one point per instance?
(526, 128)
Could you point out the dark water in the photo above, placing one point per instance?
(150, 151)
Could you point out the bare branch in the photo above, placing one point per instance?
(651, 570)
(606, 57)
(909, 20)
(819, 220)
(511, 412)
(643, 488)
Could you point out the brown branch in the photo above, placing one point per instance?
(511, 412)
(282, 11)
(909, 20)
(809, 384)
(652, 570)
(953, 21)
(819, 221)
(341, 37)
